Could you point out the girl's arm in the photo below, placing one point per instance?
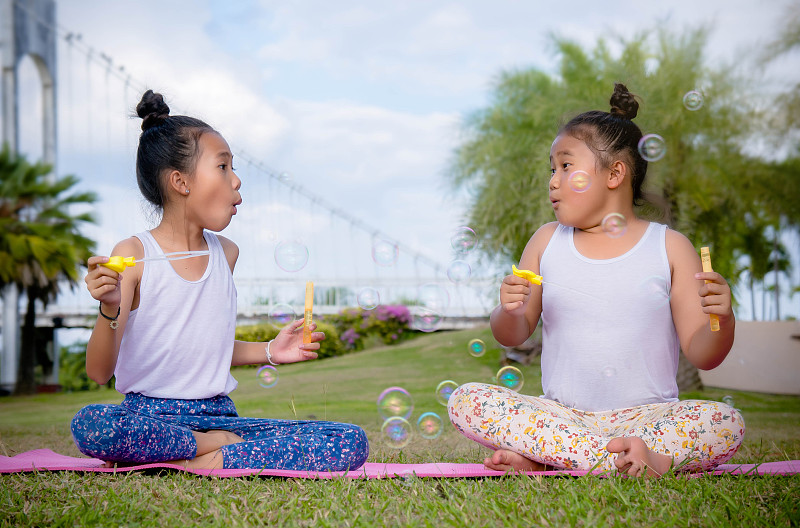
(287, 347)
(692, 300)
(515, 318)
(115, 291)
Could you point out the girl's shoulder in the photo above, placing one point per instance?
(542, 236)
(677, 244)
(230, 249)
(532, 255)
(546, 231)
(680, 251)
(130, 247)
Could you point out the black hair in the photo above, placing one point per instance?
(614, 136)
(166, 143)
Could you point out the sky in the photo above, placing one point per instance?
(361, 103)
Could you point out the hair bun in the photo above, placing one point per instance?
(623, 103)
(152, 109)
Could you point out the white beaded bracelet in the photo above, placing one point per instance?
(269, 356)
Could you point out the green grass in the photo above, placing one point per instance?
(345, 389)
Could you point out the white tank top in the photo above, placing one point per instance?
(179, 342)
(616, 347)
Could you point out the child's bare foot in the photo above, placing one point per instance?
(212, 460)
(504, 460)
(636, 459)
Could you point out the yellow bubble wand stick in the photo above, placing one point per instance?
(537, 279)
(705, 257)
(307, 312)
(119, 264)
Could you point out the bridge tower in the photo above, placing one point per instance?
(27, 28)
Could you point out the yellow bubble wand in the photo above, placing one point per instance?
(537, 279)
(705, 257)
(119, 264)
(527, 275)
(307, 312)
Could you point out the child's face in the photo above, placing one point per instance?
(575, 184)
(214, 186)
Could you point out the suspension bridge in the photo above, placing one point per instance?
(69, 103)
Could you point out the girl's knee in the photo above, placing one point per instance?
(357, 439)
(733, 433)
(92, 428)
(735, 416)
(460, 397)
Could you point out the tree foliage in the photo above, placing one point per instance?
(709, 181)
(40, 241)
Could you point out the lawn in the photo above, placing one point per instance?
(345, 389)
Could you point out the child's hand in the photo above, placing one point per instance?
(103, 283)
(288, 346)
(515, 292)
(715, 296)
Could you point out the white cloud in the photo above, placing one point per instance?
(367, 144)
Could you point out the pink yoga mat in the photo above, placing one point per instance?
(45, 459)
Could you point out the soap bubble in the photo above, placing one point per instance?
(434, 297)
(652, 147)
(693, 100)
(463, 240)
(396, 432)
(407, 478)
(655, 289)
(368, 298)
(609, 372)
(395, 401)
(281, 315)
(267, 376)
(510, 378)
(459, 271)
(426, 320)
(384, 252)
(291, 255)
(614, 225)
(579, 181)
(476, 348)
(430, 425)
(444, 390)
(285, 177)
(727, 400)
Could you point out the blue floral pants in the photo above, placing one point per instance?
(143, 430)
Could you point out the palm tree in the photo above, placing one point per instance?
(780, 263)
(40, 242)
(757, 248)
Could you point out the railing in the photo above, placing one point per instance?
(257, 297)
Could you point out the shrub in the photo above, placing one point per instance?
(390, 323)
(72, 370)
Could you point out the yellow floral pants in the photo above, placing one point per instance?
(698, 435)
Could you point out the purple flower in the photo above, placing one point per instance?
(349, 336)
